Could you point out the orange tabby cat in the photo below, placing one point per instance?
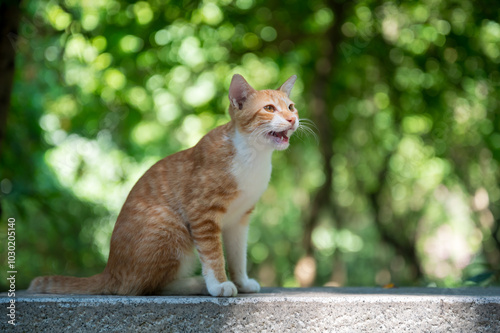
(188, 200)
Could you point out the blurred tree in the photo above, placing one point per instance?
(402, 185)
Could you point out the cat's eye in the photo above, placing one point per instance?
(291, 107)
(269, 108)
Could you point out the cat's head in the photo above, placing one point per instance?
(268, 117)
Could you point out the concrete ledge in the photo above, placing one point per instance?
(273, 310)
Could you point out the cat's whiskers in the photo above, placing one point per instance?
(308, 127)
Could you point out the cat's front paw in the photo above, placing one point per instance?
(248, 286)
(224, 289)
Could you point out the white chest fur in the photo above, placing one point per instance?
(252, 169)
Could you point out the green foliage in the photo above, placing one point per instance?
(405, 96)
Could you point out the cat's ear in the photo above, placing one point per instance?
(239, 91)
(288, 85)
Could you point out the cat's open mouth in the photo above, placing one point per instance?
(281, 136)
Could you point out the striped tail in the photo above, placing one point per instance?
(58, 284)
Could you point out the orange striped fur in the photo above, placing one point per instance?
(190, 200)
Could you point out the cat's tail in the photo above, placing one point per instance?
(58, 284)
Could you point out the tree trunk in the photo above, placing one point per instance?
(9, 23)
(10, 14)
(320, 100)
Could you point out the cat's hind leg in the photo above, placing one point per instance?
(186, 286)
(148, 249)
(185, 283)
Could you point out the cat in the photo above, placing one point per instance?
(190, 199)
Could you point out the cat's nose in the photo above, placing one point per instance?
(291, 120)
